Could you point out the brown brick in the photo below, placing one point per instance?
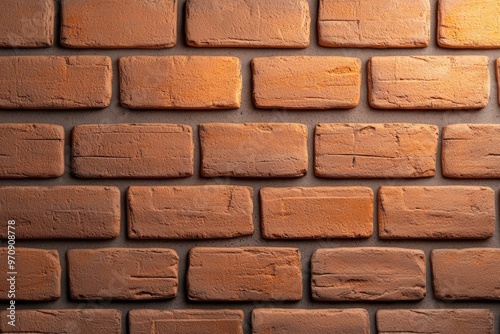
(190, 212)
(429, 82)
(51, 82)
(299, 321)
(317, 212)
(186, 321)
(452, 212)
(132, 150)
(368, 274)
(375, 150)
(253, 150)
(27, 23)
(37, 274)
(443, 321)
(461, 274)
(61, 212)
(31, 150)
(128, 23)
(254, 24)
(248, 273)
(374, 23)
(64, 321)
(160, 82)
(123, 273)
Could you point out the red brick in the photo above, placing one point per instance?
(253, 150)
(197, 212)
(453, 212)
(61, 212)
(31, 150)
(161, 82)
(317, 212)
(244, 274)
(119, 23)
(51, 82)
(37, 274)
(462, 274)
(132, 150)
(375, 150)
(123, 273)
(368, 274)
(429, 82)
(254, 24)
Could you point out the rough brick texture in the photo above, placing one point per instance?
(368, 274)
(31, 150)
(180, 82)
(119, 23)
(241, 23)
(123, 273)
(429, 82)
(248, 273)
(375, 150)
(374, 23)
(316, 212)
(253, 150)
(55, 82)
(132, 150)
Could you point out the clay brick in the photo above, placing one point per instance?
(368, 274)
(37, 274)
(299, 321)
(462, 274)
(305, 82)
(51, 82)
(429, 82)
(132, 150)
(186, 321)
(27, 23)
(123, 273)
(161, 82)
(375, 150)
(243, 274)
(317, 212)
(189, 212)
(443, 321)
(374, 23)
(453, 212)
(61, 212)
(254, 24)
(31, 150)
(73, 321)
(253, 150)
(128, 23)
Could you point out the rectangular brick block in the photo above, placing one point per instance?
(31, 150)
(254, 24)
(55, 82)
(189, 212)
(453, 212)
(61, 212)
(253, 150)
(316, 212)
(368, 274)
(429, 82)
(244, 274)
(35, 274)
(375, 150)
(132, 150)
(123, 273)
(129, 23)
(180, 82)
(462, 274)
(374, 23)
